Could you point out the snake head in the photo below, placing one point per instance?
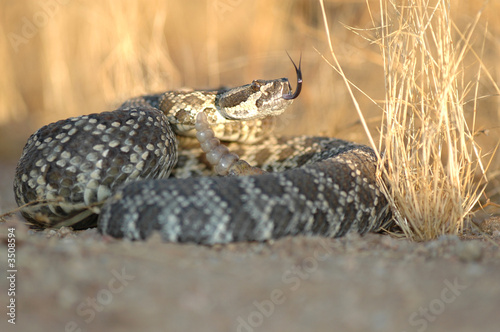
(259, 99)
(289, 95)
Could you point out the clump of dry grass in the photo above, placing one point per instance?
(430, 158)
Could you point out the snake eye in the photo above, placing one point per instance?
(255, 86)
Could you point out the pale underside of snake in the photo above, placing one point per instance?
(113, 168)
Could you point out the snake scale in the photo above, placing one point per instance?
(138, 170)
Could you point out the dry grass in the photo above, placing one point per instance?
(430, 166)
(431, 157)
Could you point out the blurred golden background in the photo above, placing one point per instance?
(62, 58)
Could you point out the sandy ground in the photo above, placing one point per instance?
(67, 281)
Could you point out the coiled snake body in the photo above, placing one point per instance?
(114, 166)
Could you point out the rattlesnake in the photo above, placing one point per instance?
(114, 166)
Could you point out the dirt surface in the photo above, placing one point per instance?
(67, 281)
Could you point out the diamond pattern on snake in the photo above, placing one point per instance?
(148, 167)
